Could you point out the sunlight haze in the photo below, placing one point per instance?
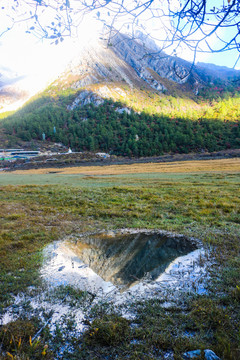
(30, 63)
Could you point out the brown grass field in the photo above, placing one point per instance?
(198, 199)
(220, 165)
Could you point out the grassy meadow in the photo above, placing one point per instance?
(199, 199)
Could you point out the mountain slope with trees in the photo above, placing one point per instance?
(116, 100)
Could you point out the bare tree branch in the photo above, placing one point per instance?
(195, 24)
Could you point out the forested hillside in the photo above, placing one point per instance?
(117, 99)
(145, 125)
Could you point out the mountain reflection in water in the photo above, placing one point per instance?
(123, 259)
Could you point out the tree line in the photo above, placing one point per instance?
(102, 128)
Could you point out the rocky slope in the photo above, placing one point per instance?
(99, 72)
(105, 67)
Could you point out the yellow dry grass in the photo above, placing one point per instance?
(221, 165)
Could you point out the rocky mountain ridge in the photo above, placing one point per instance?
(128, 60)
(103, 68)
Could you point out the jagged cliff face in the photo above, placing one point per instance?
(98, 64)
(142, 55)
(103, 69)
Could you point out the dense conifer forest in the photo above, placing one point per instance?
(155, 125)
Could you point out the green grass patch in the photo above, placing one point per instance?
(201, 205)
